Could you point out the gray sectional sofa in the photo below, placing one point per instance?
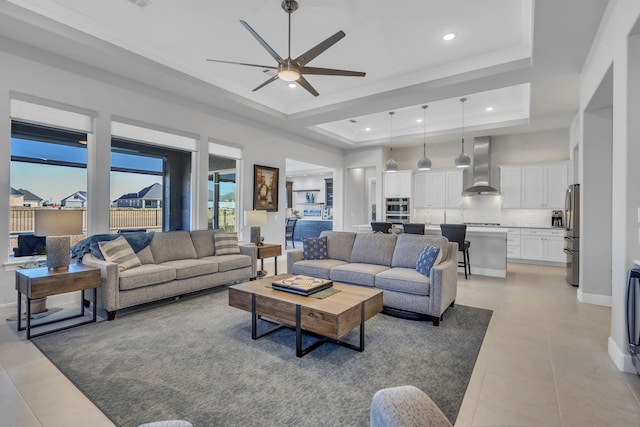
(173, 263)
(387, 262)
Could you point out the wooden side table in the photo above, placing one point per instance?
(268, 250)
(41, 282)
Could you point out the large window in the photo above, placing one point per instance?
(48, 168)
(142, 177)
(222, 193)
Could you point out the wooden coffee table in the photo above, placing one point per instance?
(330, 318)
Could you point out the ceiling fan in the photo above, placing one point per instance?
(289, 69)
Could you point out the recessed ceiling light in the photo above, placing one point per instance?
(449, 36)
(488, 109)
(419, 121)
(292, 85)
(367, 129)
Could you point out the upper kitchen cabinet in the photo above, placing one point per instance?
(511, 186)
(438, 189)
(544, 186)
(534, 186)
(397, 184)
(454, 188)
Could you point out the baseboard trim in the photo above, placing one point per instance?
(594, 299)
(621, 358)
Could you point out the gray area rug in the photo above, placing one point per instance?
(194, 359)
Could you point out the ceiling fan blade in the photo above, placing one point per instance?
(272, 79)
(264, 44)
(319, 48)
(242, 63)
(331, 72)
(305, 84)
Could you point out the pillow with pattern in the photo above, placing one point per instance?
(119, 251)
(226, 243)
(315, 248)
(427, 259)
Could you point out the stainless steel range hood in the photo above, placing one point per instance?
(481, 168)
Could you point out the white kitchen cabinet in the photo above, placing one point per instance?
(513, 243)
(454, 189)
(542, 245)
(543, 186)
(534, 186)
(511, 186)
(397, 184)
(438, 189)
(430, 190)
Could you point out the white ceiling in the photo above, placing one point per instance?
(521, 58)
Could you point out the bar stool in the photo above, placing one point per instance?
(457, 233)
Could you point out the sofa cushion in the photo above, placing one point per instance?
(410, 246)
(315, 248)
(339, 244)
(373, 248)
(172, 245)
(146, 256)
(146, 275)
(120, 252)
(226, 243)
(203, 243)
(406, 280)
(316, 268)
(357, 273)
(186, 268)
(230, 262)
(427, 259)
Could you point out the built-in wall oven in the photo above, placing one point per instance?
(397, 209)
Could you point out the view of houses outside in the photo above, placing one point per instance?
(49, 169)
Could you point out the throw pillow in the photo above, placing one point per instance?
(120, 252)
(426, 260)
(315, 248)
(226, 243)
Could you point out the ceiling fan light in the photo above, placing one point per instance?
(288, 75)
(463, 161)
(424, 164)
(391, 166)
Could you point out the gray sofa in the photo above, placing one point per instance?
(387, 262)
(173, 263)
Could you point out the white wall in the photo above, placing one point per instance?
(47, 77)
(614, 49)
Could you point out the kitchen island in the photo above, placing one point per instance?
(487, 250)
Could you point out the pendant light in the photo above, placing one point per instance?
(391, 165)
(463, 161)
(424, 164)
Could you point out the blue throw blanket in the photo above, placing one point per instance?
(137, 240)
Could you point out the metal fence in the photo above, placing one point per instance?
(21, 221)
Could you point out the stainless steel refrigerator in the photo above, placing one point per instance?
(572, 233)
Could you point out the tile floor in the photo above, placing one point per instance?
(543, 362)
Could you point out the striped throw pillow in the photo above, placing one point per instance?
(226, 243)
(120, 252)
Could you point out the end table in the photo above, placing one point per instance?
(268, 250)
(41, 282)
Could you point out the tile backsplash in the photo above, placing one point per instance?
(484, 209)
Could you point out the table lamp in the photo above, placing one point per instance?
(255, 219)
(57, 225)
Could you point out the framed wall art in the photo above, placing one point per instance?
(265, 188)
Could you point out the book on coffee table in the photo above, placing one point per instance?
(302, 285)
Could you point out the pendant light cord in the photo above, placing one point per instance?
(391, 113)
(424, 130)
(463, 100)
